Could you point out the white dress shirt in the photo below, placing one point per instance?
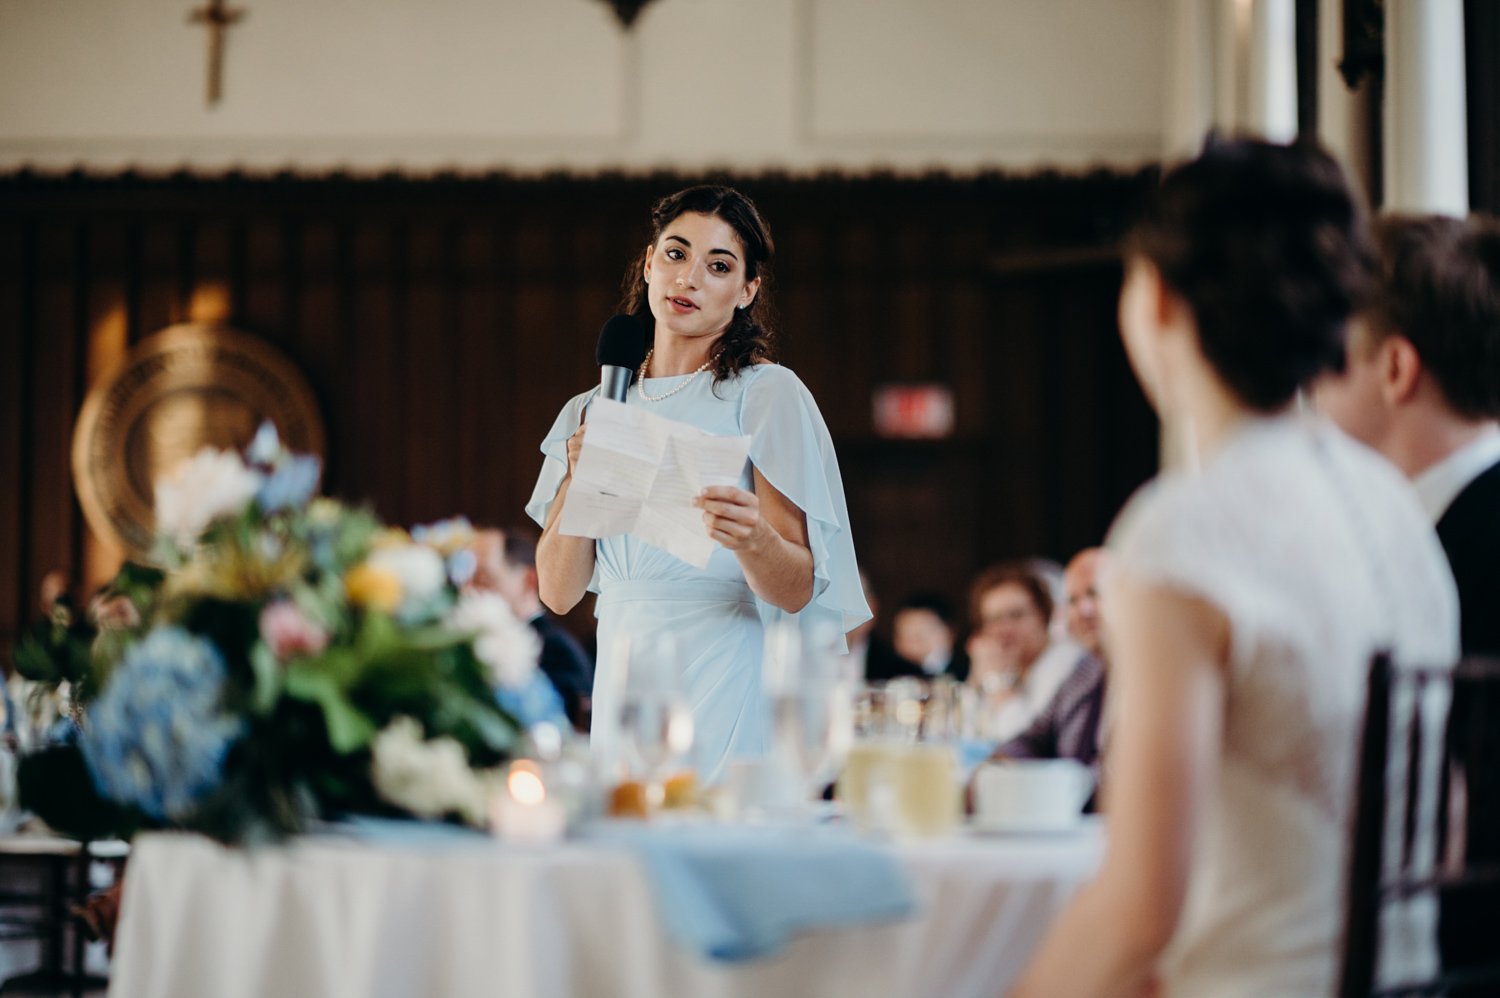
(1440, 484)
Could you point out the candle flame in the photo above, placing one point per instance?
(525, 785)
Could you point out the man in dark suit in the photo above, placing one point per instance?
(1423, 387)
(507, 565)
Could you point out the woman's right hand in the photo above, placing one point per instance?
(987, 658)
(575, 446)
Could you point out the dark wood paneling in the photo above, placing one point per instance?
(17, 282)
(159, 301)
(442, 324)
(55, 372)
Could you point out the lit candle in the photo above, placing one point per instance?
(522, 812)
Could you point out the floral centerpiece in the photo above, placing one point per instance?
(286, 658)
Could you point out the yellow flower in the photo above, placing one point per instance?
(367, 585)
(229, 572)
(324, 511)
(389, 537)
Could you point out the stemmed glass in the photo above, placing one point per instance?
(812, 705)
(656, 719)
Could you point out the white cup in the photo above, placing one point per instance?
(1031, 795)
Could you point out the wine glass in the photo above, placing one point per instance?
(656, 719)
(812, 705)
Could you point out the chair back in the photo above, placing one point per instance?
(1423, 912)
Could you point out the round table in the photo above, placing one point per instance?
(329, 918)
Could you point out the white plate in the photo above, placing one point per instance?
(996, 828)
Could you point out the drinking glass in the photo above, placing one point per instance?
(812, 705)
(656, 719)
(902, 775)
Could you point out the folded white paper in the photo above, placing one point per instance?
(638, 474)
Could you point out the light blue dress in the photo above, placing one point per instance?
(711, 613)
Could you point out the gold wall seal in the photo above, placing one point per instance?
(187, 387)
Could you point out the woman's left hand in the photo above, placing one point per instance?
(732, 516)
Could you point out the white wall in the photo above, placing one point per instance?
(542, 84)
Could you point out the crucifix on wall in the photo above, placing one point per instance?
(217, 18)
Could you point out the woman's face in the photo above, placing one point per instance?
(1009, 615)
(919, 634)
(695, 276)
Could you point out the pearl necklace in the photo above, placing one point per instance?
(640, 381)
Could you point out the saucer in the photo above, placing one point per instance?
(999, 827)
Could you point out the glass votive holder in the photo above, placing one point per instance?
(522, 812)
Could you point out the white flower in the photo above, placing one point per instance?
(418, 568)
(506, 645)
(211, 484)
(446, 536)
(427, 778)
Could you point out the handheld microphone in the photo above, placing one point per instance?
(622, 347)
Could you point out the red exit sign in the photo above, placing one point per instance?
(920, 411)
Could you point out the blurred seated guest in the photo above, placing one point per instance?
(871, 658)
(1014, 664)
(1247, 592)
(1052, 573)
(922, 629)
(1069, 726)
(507, 565)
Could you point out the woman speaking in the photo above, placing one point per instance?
(785, 549)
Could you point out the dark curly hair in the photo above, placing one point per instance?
(1272, 253)
(747, 341)
(1440, 288)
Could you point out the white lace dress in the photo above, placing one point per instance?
(1318, 554)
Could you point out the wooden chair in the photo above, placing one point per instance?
(57, 871)
(1424, 886)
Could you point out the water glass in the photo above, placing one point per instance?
(812, 706)
(902, 773)
(656, 719)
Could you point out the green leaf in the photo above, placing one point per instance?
(138, 583)
(267, 679)
(34, 660)
(348, 728)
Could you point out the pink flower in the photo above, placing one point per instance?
(287, 632)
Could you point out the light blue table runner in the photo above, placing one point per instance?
(742, 892)
(726, 892)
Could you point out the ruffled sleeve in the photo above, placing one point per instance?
(791, 447)
(555, 465)
(555, 456)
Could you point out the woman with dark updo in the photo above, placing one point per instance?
(785, 551)
(1248, 590)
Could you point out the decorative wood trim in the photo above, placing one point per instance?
(182, 177)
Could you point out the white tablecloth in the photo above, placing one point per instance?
(325, 918)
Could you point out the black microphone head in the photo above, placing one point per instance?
(622, 343)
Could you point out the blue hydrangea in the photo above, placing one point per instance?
(290, 484)
(534, 703)
(266, 447)
(462, 564)
(157, 736)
